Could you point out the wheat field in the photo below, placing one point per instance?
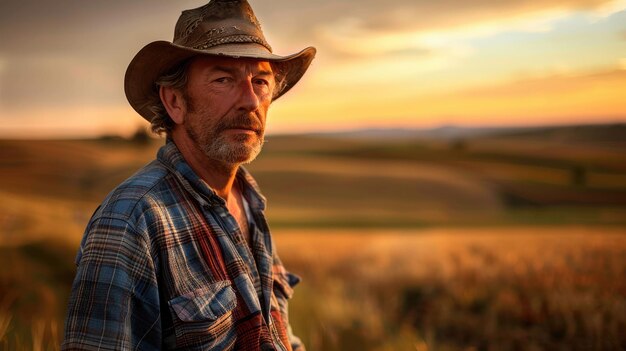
(532, 288)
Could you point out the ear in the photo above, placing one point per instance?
(174, 103)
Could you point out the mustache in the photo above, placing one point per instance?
(241, 121)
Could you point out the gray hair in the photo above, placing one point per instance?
(176, 78)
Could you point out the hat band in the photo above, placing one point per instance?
(233, 39)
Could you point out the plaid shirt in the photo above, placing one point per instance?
(163, 265)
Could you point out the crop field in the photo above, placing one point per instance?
(460, 289)
(499, 242)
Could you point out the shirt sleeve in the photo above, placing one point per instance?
(285, 282)
(296, 343)
(114, 302)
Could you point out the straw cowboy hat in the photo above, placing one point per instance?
(220, 28)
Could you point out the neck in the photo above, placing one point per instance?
(218, 175)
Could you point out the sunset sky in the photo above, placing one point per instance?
(395, 63)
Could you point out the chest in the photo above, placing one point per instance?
(201, 246)
(207, 272)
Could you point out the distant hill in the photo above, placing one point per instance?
(615, 132)
(574, 133)
(443, 132)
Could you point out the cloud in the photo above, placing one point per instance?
(33, 26)
(375, 15)
(592, 96)
(71, 55)
(588, 96)
(345, 29)
(58, 81)
(548, 85)
(74, 53)
(42, 27)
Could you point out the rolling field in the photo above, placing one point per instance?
(514, 242)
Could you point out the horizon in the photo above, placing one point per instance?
(334, 132)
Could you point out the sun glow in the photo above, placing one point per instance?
(403, 64)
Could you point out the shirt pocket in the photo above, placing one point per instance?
(205, 316)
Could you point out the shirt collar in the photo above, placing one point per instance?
(256, 200)
(170, 156)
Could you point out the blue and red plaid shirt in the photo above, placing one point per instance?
(163, 265)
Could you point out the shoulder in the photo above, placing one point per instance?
(136, 195)
(121, 220)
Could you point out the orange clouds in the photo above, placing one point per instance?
(596, 95)
(380, 63)
(591, 97)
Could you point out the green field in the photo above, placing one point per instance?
(507, 241)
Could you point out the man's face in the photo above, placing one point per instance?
(226, 106)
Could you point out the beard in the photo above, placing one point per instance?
(225, 148)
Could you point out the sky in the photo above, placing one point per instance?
(380, 64)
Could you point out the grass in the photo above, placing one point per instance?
(458, 289)
(510, 243)
(35, 282)
(532, 288)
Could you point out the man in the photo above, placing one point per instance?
(179, 256)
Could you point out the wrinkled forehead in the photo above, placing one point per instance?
(234, 65)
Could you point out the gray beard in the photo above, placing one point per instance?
(218, 147)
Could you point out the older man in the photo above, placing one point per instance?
(180, 256)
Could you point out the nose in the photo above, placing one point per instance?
(248, 99)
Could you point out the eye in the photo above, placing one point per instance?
(222, 80)
(260, 81)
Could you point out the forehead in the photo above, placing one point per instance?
(201, 64)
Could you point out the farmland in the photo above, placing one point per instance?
(513, 241)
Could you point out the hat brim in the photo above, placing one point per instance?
(158, 57)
